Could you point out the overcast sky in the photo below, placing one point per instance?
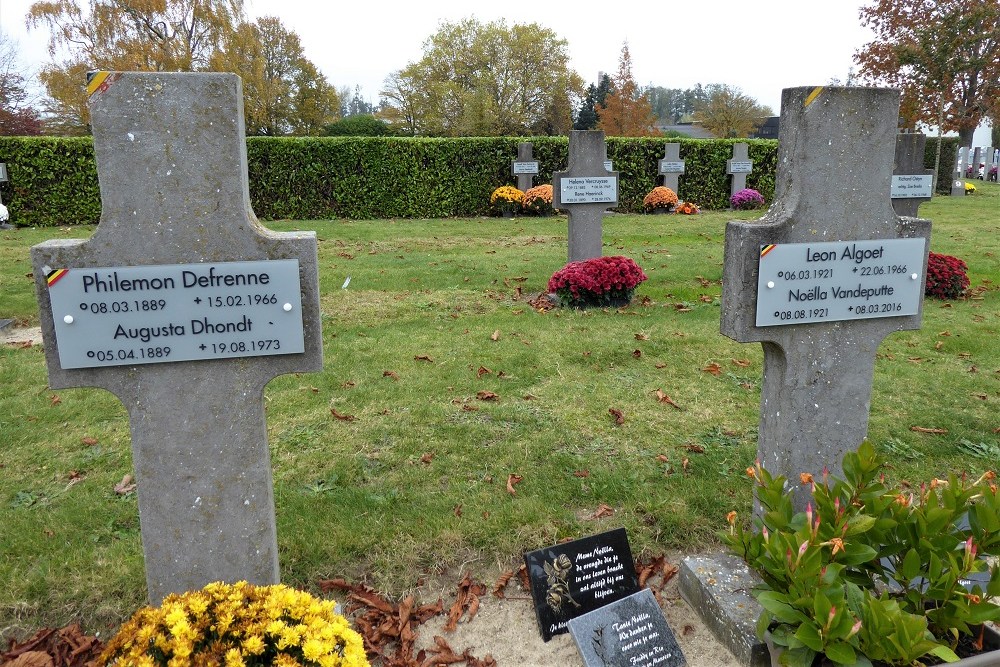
(760, 46)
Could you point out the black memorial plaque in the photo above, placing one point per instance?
(574, 578)
(631, 632)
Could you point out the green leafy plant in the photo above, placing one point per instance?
(868, 572)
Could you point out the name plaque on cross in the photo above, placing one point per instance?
(740, 166)
(671, 167)
(800, 283)
(588, 190)
(3, 172)
(524, 167)
(911, 187)
(609, 165)
(118, 316)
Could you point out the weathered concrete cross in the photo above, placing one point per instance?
(524, 167)
(911, 183)
(586, 189)
(671, 166)
(826, 259)
(739, 166)
(155, 283)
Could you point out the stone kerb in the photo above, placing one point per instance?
(171, 156)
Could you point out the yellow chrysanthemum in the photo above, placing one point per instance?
(234, 658)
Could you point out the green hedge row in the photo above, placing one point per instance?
(53, 181)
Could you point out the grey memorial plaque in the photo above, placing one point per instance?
(911, 187)
(524, 167)
(3, 172)
(123, 316)
(172, 169)
(818, 375)
(800, 283)
(631, 632)
(912, 184)
(585, 190)
(671, 166)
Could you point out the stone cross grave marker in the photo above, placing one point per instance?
(911, 183)
(586, 189)
(958, 175)
(671, 166)
(184, 307)
(739, 166)
(524, 167)
(827, 273)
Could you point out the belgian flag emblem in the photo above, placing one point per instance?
(55, 276)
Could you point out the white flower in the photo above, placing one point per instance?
(4, 216)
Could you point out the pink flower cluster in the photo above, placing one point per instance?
(947, 276)
(746, 198)
(600, 281)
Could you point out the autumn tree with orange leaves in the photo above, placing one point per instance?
(944, 55)
(626, 112)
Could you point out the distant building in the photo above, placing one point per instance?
(767, 130)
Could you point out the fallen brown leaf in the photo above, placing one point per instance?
(484, 395)
(581, 473)
(681, 308)
(344, 418)
(496, 336)
(662, 458)
(706, 298)
(641, 336)
(54, 399)
(637, 353)
(618, 415)
(603, 511)
(483, 371)
(713, 368)
(350, 384)
(944, 333)
(423, 357)
(661, 366)
(31, 659)
(458, 510)
(685, 463)
(513, 479)
(664, 398)
(499, 590)
(125, 486)
(470, 408)
(694, 449)
(90, 442)
(938, 345)
(390, 374)
(742, 363)
(934, 431)
(427, 457)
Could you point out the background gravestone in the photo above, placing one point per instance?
(834, 168)
(171, 159)
(525, 166)
(976, 159)
(671, 166)
(585, 190)
(738, 167)
(911, 183)
(958, 174)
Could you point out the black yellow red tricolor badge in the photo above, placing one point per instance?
(764, 249)
(55, 276)
(99, 81)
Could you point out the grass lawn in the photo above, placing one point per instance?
(413, 479)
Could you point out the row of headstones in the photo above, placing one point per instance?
(670, 167)
(976, 162)
(179, 260)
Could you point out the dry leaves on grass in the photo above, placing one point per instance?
(423, 357)
(343, 418)
(603, 511)
(513, 479)
(483, 371)
(500, 588)
(90, 442)
(664, 398)
(391, 374)
(617, 415)
(466, 601)
(713, 368)
(932, 431)
(125, 486)
(65, 647)
(485, 395)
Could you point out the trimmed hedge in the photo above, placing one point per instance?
(53, 181)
